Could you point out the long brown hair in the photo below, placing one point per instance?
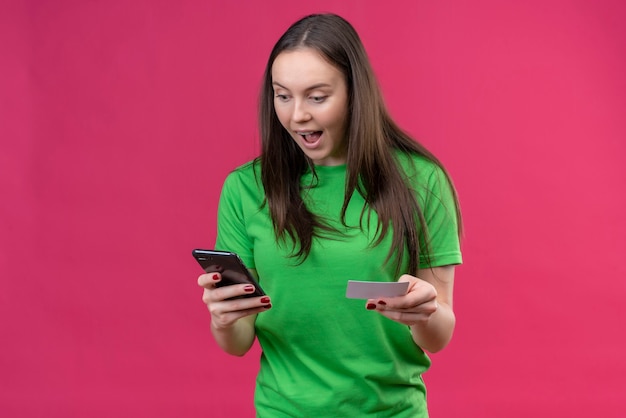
(372, 137)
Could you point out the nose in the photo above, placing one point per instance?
(300, 112)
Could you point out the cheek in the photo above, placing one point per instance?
(282, 116)
(340, 120)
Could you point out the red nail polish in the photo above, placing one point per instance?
(249, 288)
(382, 302)
(216, 277)
(269, 305)
(265, 300)
(371, 306)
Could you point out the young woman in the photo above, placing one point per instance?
(339, 193)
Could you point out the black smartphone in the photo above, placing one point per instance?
(230, 266)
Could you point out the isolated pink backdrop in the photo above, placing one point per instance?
(120, 119)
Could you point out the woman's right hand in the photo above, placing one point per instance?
(225, 313)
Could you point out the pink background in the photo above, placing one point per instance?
(120, 119)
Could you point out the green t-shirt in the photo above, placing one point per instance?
(325, 355)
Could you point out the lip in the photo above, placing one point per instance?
(305, 144)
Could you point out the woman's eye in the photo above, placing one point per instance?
(318, 99)
(281, 97)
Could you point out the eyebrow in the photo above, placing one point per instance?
(313, 87)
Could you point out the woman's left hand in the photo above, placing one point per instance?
(416, 306)
(426, 307)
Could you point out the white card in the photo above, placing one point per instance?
(373, 290)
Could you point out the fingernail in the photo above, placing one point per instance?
(269, 305)
(216, 277)
(371, 306)
(249, 288)
(382, 302)
(265, 300)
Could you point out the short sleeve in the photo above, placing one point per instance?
(439, 244)
(232, 233)
(439, 210)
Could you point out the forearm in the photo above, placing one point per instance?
(236, 339)
(435, 333)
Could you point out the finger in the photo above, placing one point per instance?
(228, 311)
(419, 293)
(407, 278)
(231, 291)
(428, 307)
(406, 318)
(236, 305)
(421, 314)
(408, 305)
(209, 279)
(228, 318)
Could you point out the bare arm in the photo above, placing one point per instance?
(237, 338)
(232, 321)
(435, 332)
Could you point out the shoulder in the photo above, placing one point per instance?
(249, 169)
(419, 169)
(243, 187)
(248, 174)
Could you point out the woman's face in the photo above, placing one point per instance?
(311, 102)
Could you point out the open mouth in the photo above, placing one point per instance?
(311, 137)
